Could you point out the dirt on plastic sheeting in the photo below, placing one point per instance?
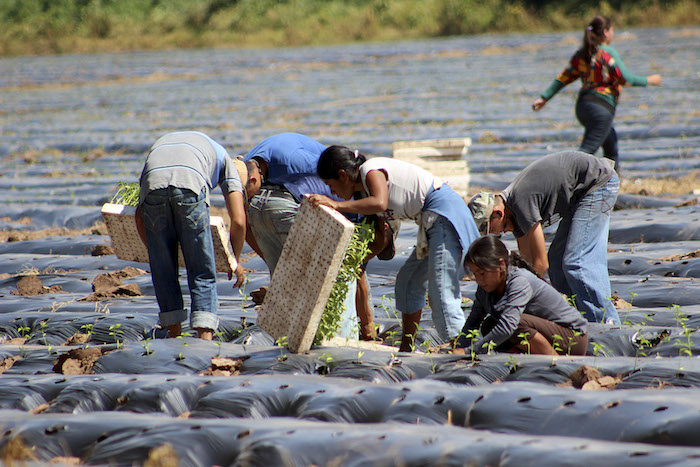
(110, 285)
(31, 285)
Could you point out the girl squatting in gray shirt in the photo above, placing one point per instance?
(516, 310)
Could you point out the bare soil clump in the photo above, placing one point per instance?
(588, 378)
(224, 366)
(31, 285)
(110, 285)
(78, 361)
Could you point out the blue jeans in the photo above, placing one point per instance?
(578, 255)
(270, 216)
(175, 216)
(597, 119)
(440, 274)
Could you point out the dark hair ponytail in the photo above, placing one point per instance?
(337, 158)
(488, 251)
(593, 36)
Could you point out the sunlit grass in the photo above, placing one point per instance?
(657, 186)
(85, 27)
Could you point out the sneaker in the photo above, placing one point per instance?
(157, 333)
(633, 339)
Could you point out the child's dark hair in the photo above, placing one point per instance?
(486, 253)
(336, 158)
(594, 35)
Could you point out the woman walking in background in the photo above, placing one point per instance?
(603, 73)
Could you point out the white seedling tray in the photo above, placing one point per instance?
(127, 244)
(304, 276)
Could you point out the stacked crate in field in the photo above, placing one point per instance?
(445, 158)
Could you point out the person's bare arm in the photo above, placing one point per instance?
(377, 200)
(533, 249)
(364, 309)
(235, 205)
(382, 238)
(138, 218)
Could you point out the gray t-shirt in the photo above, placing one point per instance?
(524, 293)
(191, 160)
(549, 188)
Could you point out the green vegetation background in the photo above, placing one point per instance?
(76, 26)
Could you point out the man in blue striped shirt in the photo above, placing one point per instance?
(179, 173)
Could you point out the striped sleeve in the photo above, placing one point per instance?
(570, 74)
(624, 75)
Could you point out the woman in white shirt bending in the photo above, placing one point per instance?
(396, 190)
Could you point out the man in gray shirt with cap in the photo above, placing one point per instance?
(579, 191)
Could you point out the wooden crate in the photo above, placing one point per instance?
(127, 244)
(444, 158)
(304, 276)
(449, 149)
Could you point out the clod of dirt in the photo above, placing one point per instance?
(15, 450)
(8, 362)
(162, 456)
(110, 285)
(78, 361)
(77, 339)
(259, 295)
(128, 290)
(128, 272)
(691, 255)
(584, 374)
(604, 383)
(102, 250)
(620, 303)
(224, 366)
(31, 285)
(14, 341)
(114, 278)
(588, 378)
(104, 282)
(690, 202)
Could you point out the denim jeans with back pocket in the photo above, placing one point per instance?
(578, 255)
(172, 217)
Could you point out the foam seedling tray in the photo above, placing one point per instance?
(307, 268)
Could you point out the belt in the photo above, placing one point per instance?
(272, 190)
(589, 96)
